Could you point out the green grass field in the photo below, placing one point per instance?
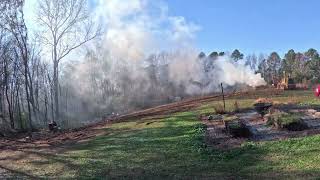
(172, 147)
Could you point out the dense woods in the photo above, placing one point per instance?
(35, 91)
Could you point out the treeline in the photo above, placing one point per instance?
(20, 69)
(29, 85)
(299, 66)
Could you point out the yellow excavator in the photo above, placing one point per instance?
(286, 83)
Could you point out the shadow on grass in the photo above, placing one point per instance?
(153, 152)
(15, 174)
(168, 148)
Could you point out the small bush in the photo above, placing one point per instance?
(219, 109)
(236, 107)
(281, 120)
(274, 118)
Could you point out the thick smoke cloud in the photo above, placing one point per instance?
(136, 28)
(144, 57)
(198, 78)
(147, 55)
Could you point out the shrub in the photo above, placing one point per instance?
(274, 118)
(236, 107)
(281, 120)
(219, 109)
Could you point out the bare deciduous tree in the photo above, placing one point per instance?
(66, 25)
(12, 21)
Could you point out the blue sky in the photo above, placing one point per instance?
(252, 25)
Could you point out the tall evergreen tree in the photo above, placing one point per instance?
(236, 55)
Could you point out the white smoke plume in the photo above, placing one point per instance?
(136, 28)
(133, 30)
(137, 35)
(232, 73)
(201, 79)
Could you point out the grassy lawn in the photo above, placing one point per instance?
(296, 97)
(172, 147)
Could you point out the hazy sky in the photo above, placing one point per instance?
(250, 25)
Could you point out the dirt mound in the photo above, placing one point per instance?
(263, 100)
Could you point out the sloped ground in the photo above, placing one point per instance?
(45, 138)
(166, 145)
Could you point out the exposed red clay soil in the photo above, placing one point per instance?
(191, 103)
(47, 139)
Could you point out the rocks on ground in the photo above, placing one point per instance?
(308, 120)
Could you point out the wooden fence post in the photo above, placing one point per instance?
(224, 103)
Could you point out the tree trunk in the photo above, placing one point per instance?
(10, 109)
(28, 98)
(56, 90)
(52, 102)
(46, 107)
(9, 102)
(1, 98)
(31, 97)
(19, 108)
(26, 78)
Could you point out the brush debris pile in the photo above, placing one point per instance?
(278, 122)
